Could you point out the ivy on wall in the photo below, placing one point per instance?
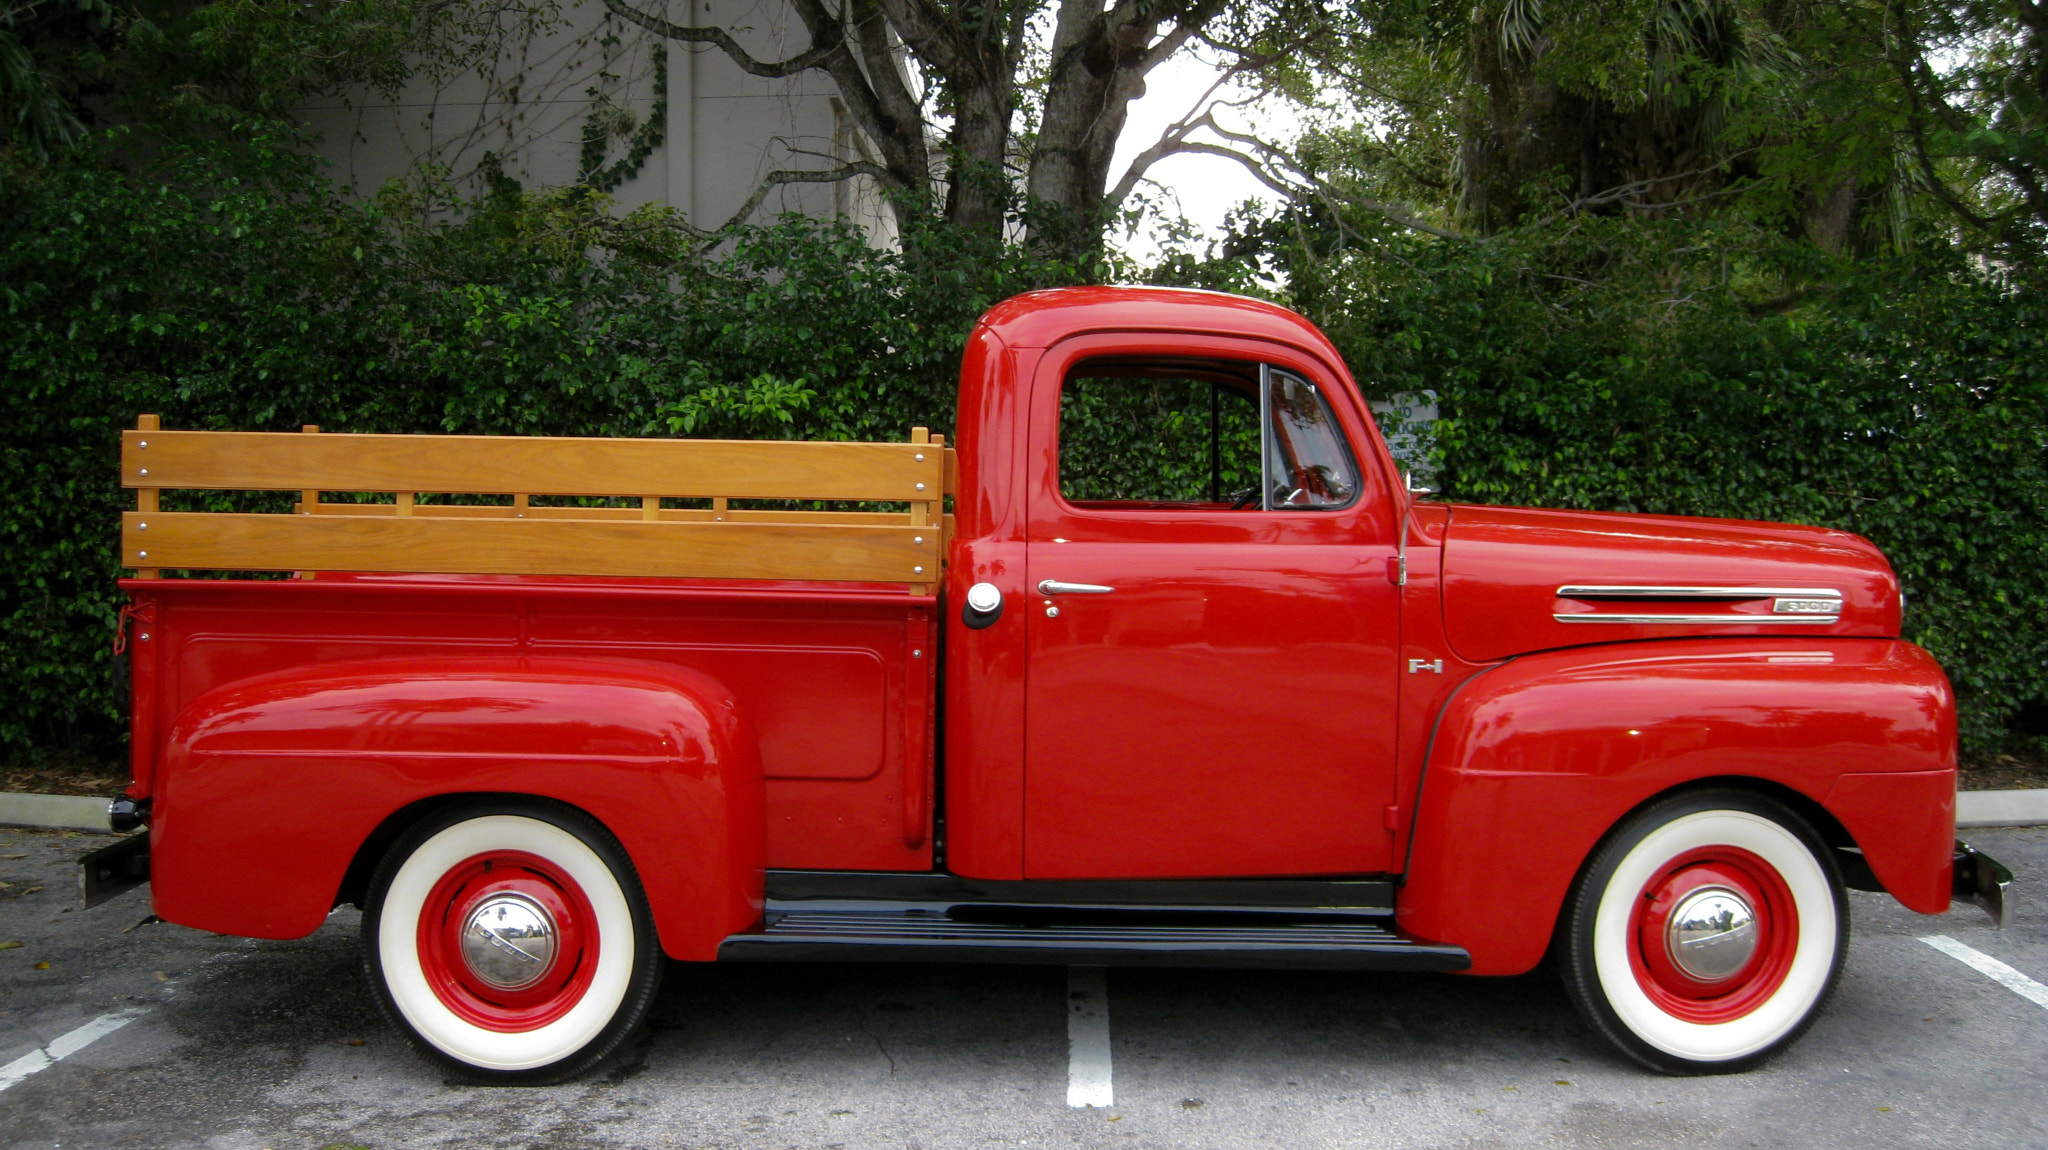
(606, 121)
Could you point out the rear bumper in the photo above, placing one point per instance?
(1981, 879)
(112, 869)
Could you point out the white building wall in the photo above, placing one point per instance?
(528, 96)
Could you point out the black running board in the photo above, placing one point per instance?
(940, 933)
(1368, 894)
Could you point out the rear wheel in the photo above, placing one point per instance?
(511, 941)
(1706, 933)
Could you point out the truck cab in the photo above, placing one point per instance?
(1163, 663)
(1191, 523)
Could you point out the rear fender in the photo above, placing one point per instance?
(268, 786)
(1536, 759)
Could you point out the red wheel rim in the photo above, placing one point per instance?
(539, 882)
(1681, 994)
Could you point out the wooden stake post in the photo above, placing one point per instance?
(145, 497)
(409, 536)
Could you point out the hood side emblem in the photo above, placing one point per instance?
(1806, 605)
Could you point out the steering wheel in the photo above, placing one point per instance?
(1250, 496)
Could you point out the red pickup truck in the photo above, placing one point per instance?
(1167, 665)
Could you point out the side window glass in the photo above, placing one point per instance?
(1147, 435)
(1307, 465)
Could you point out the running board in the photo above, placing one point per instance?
(1084, 936)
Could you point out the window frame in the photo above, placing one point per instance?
(1268, 441)
(1041, 514)
(1195, 369)
(1268, 444)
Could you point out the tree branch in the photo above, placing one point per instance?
(1020, 27)
(1176, 37)
(1175, 142)
(894, 106)
(1915, 124)
(1171, 140)
(1174, 133)
(777, 179)
(1169, 143)
(928, 32)
(813, 57)
(1621, 192)
(1330, 195)
(875, 95)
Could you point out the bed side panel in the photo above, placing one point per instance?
(271, 784)
(825, 673)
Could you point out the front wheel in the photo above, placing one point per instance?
(1706, 933)
(511, 942)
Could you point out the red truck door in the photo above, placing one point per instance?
(1212, 635)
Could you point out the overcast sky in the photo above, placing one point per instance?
(1208, 187)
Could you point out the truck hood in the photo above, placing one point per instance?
(1518, 580)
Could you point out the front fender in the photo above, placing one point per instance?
(1536, 759)
(270, 785)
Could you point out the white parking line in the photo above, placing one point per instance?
(1997, 971)
(64, 1046)
(1088, 1037)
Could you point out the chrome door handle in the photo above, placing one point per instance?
(1055, 587)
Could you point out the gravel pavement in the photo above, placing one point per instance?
(196, 1040)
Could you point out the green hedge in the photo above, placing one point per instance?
(228, 287)
(1656, 366)
(1703, 369)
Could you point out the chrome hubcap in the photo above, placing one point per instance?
(1712, 934)
(509, 941)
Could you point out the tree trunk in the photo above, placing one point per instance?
(973, 51)
(872, 86)
(871, 83)
(977, 193)
(1098, 67)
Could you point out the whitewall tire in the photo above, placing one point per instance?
(510, 941)
(1706, 932)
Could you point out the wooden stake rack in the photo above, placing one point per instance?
(519, 538)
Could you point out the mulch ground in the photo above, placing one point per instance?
(65, 777)
(2002, 773)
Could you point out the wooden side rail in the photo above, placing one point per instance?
(406, 536)
(512, 465)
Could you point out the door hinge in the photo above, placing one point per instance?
(1393, 818)
(1417, 666)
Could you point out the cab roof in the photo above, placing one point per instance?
(1043, 318)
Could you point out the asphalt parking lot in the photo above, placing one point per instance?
(159, 1036)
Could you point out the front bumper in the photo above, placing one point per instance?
(1979, 878)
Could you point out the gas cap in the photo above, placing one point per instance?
(984, 606)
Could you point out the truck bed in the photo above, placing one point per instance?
(799, 576)
(837, 679)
